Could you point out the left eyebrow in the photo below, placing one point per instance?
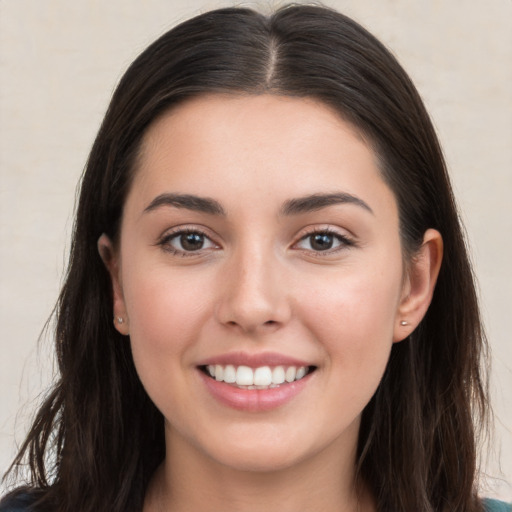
(315, 202)
(188, 202)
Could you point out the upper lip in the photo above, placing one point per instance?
(254, 360)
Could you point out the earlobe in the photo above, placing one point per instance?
(111, 260)
(419, 286)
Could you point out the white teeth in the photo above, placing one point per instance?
(244, 376)
(219, 372)
(262, 377)
(230, 374)
(290, 374)
(301, 372)
(278, 375)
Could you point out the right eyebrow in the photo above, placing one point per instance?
(187, 201)
(318, 201)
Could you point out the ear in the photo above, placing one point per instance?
(111, 259)
(419, 285)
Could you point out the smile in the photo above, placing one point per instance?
(262, 377)
(250, 385)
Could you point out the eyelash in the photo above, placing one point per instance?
(165, 242)
(344, 241)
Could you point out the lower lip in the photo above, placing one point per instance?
(254, 400)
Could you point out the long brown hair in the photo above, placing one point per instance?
(98, 438)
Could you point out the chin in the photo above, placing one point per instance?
(265, 450)
(259, 460)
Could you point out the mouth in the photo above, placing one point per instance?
(259, 378)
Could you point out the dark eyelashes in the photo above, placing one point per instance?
(165, 241)
(170, 236)
(342, 242)
(328, 231)
(324, 242)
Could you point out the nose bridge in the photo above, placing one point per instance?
(254, 294)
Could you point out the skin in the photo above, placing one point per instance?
(258, 285)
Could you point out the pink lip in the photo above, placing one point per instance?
(254, 360)
(254, 400)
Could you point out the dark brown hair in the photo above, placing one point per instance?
(98, 438)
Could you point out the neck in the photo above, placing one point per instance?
(190, 481)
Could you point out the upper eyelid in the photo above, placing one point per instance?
(303, 233)
(165, 244)
(346, 240)
(193, 228)
(176, 231)
(333, 230)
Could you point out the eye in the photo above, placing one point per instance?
(323, 241)
(187, 241)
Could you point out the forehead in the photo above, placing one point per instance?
(260, 147)
(219, 115)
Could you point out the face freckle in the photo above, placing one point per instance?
(258, 232)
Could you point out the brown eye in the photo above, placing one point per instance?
(321, 241)
(186, 241)
(191, 241)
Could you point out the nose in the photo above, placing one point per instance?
(254, 294)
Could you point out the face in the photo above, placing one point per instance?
(260, 278)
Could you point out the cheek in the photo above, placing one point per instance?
(353, 316)
(361, 302)
(166, 312)
(167, 315)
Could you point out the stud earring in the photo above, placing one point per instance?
(119, 320)
(403, 322)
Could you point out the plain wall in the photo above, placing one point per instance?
(59, 63)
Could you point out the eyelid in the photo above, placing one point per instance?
(346, 241)
(172, 233)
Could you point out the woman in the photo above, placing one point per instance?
(269, 302)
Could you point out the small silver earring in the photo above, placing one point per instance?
(119, 319)
(403, 322)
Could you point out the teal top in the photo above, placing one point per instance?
(497, 506)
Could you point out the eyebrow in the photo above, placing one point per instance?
(187, 201)
(295, 206)
(315, 202)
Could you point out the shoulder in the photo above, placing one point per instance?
(492, 506)
(19, 500)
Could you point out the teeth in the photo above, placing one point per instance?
(262, 377)
(219, 372)
(290, 374)
(230, 374)
(244, 376)
(301, 372)
(278, 375)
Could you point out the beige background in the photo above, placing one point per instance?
(59, 62)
